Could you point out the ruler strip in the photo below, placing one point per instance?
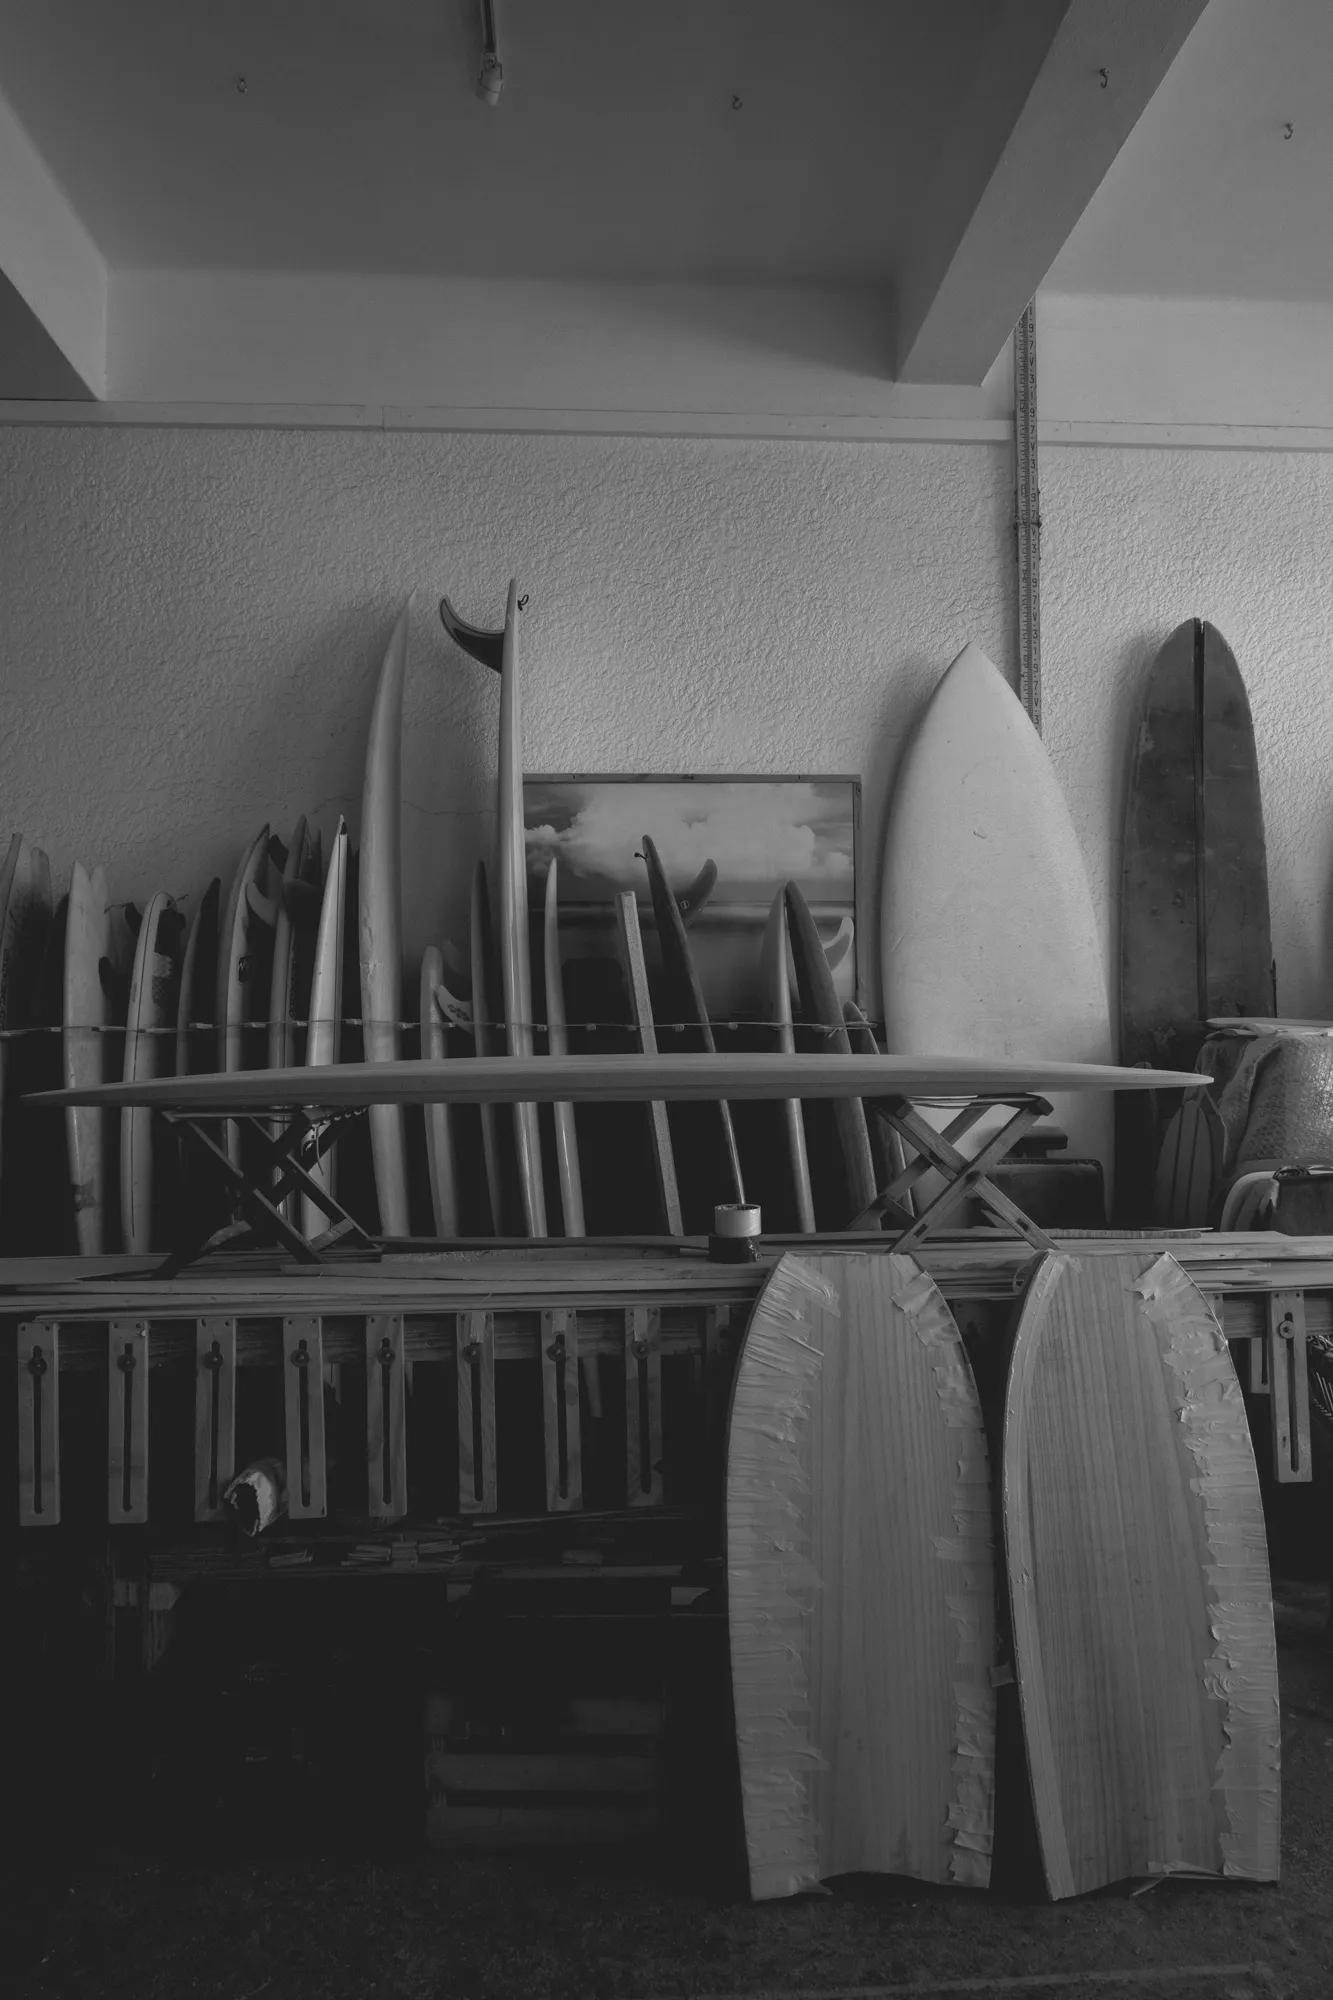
(386, 1416)
(476, 1413)
(39, 1423)
(303, 1407)
(127, 1422)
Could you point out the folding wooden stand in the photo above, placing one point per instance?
(259, 1194)
(964, 1178)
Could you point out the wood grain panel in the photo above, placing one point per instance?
(860, 1581)
(1139, 1582)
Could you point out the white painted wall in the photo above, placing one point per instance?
(194, 620)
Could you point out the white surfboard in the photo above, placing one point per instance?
(988, 938)
(440, 1161)
(380, 923)
(154, 986)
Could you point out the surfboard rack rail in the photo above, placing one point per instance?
(258, 1191)
(964, 1178)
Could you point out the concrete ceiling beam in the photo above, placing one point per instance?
(53, 282)
(980, 262)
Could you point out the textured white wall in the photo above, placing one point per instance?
(193, 621)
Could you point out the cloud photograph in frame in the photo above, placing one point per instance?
(758, 832)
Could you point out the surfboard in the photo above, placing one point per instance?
(196, 1024)
(324, 1028)
(629, 1079)
(775, 986)
(486, 1037)
(499, 650)
(557, 1043)
(685, 999)
(87, 1051)
(822, 1010)
(1195, 939)
(239, 964)
(440, 1165)
(1138, 1579)
(635, 970)
(25, 922)
(380, 923)
(988, 935)
(860, 1581)
(295, 924)
(151, 1017)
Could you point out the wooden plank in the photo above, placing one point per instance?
(860, 1580)
(641, 1009)
(39, 1423)
(1138, 1578)
(386, 1417)
(643, 1406)
(560, 1410)
(476, 1413)
(214, 1413)
(1289, 1383)
(538, 1771)
(127, 1422)
(516, 1826)
(630, 1079)
(303, 1411)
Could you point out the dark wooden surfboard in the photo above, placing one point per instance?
(860, 1581)
(1138, 1578)
(685, 1000)
(1194, 924)
(822, 1010)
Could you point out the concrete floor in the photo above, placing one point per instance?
(638, 1923)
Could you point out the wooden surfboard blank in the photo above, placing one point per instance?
(380, 923)
(87, 1048)
(557, 1043)
(822, 1010)
(154, 989)
(439, 1119)
(860, 1578)
(1138, 1576)
(775, 976)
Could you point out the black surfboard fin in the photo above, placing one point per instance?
(691, 900)
(483, 645)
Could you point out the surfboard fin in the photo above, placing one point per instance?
(114, 983)
(262, 906)
(458, 1013)
(691, 900)
(476, 640)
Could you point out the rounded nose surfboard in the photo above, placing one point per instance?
(988, 936)
(379, 924)
(1138, 1578)
(860, 1581)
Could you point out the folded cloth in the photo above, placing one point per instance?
(1273, 1087)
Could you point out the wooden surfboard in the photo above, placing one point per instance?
(196, 1024)
(685, 1000)
(775, 981)
(151, 1017)
(324, 1028)
(557, 1043)
(630, 1079)
(988, 935)
(860, 1581)
(1189, 1165)
(25, 924)
(1195, 940)
(87, 1052)
(822, 1010)
(380, 923)
(294, 928)
(1138, 1578)
(239, 963)
(486, 1039)
(499, 650)
(439, 1122)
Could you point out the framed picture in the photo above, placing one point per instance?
(757, 832)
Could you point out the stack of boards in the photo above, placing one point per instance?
(263, 975)
(862, 1575)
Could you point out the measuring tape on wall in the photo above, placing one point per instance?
(1027, 514)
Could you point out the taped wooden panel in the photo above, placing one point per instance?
(1137, 1560)
(860, 1575)
(214, 1414)
(127, 1422)
(303, 1407)
(39, 1423)
(386, 1417)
